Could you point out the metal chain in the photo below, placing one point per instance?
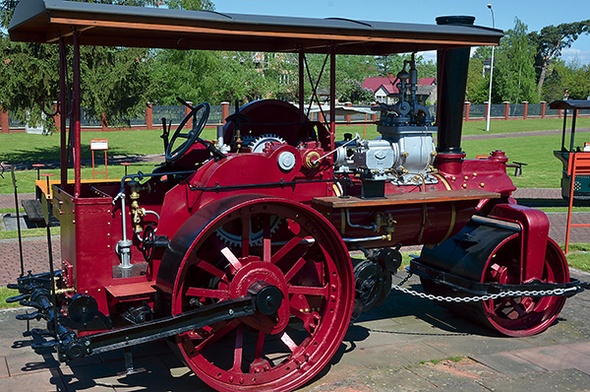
(486, 297)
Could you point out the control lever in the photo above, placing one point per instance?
(165, 132)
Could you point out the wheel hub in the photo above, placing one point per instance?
(268, 282)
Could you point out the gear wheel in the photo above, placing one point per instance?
(258, 144)
(228, 234)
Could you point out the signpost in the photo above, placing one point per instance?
(100, 145)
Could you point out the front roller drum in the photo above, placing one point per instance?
(243, 244)
(488, 254)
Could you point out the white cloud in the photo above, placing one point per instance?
(577, 56)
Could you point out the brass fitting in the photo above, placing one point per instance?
(386, 223)
(137, 213)
(312, 159)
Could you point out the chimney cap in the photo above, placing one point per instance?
(455, 20)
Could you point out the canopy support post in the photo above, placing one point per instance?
(63, 110)
(332, 97)
(76, 115)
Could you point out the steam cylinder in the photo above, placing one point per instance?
(452, 70)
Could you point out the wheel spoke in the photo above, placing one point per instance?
(217, 335)
(285, 338)
(289, 246)
(296, 268)
(233, 260)
(520, 307)
(254, 245)
(206, 266)
(266, 240)
(310, 290)
(259, 345)
(238, 349)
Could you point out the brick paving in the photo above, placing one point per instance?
(393, 347)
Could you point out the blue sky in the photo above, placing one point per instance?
(536, 14)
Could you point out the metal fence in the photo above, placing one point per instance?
(176, 113)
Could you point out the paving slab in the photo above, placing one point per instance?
(390, 348)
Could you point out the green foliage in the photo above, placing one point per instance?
(114, 82)
(191, 4)
(551, 41)
(178, 73)
(29, 78)
(352, 71)
(514, 74)
(351, 90)
(238, 76)
(572, 77)
(477, 84)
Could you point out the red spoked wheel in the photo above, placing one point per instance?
(522, 316)
(273, 242)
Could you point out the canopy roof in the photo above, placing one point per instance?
(570, 104)
(44, 21)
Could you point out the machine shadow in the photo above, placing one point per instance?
(443, 322)
(410, 311)
(156, 366)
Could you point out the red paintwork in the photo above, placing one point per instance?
(317, 288)
(307, 259)
(535, 234)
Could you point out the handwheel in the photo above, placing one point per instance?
(199, 115)
(304, 258)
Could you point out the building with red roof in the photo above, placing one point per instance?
(386, 92)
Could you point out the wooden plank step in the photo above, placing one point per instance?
(336, 202)
(33, 210)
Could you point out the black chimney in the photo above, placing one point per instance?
(453, 65)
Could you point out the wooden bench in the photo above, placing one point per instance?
(33, 210)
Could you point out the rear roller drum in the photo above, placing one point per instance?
(304, 258)
(490, 255)
(522, 316)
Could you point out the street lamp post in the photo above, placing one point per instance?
(491, 75)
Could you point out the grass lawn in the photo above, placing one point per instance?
(542, 170)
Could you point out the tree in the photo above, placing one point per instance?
(350, 74)
(393, 63)
(177, 73)
(238, 76)
(572, 76)
(514, 71)
(551, 41)
(578, 81)
(114, 80)
(477, 83)
(189, 4)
